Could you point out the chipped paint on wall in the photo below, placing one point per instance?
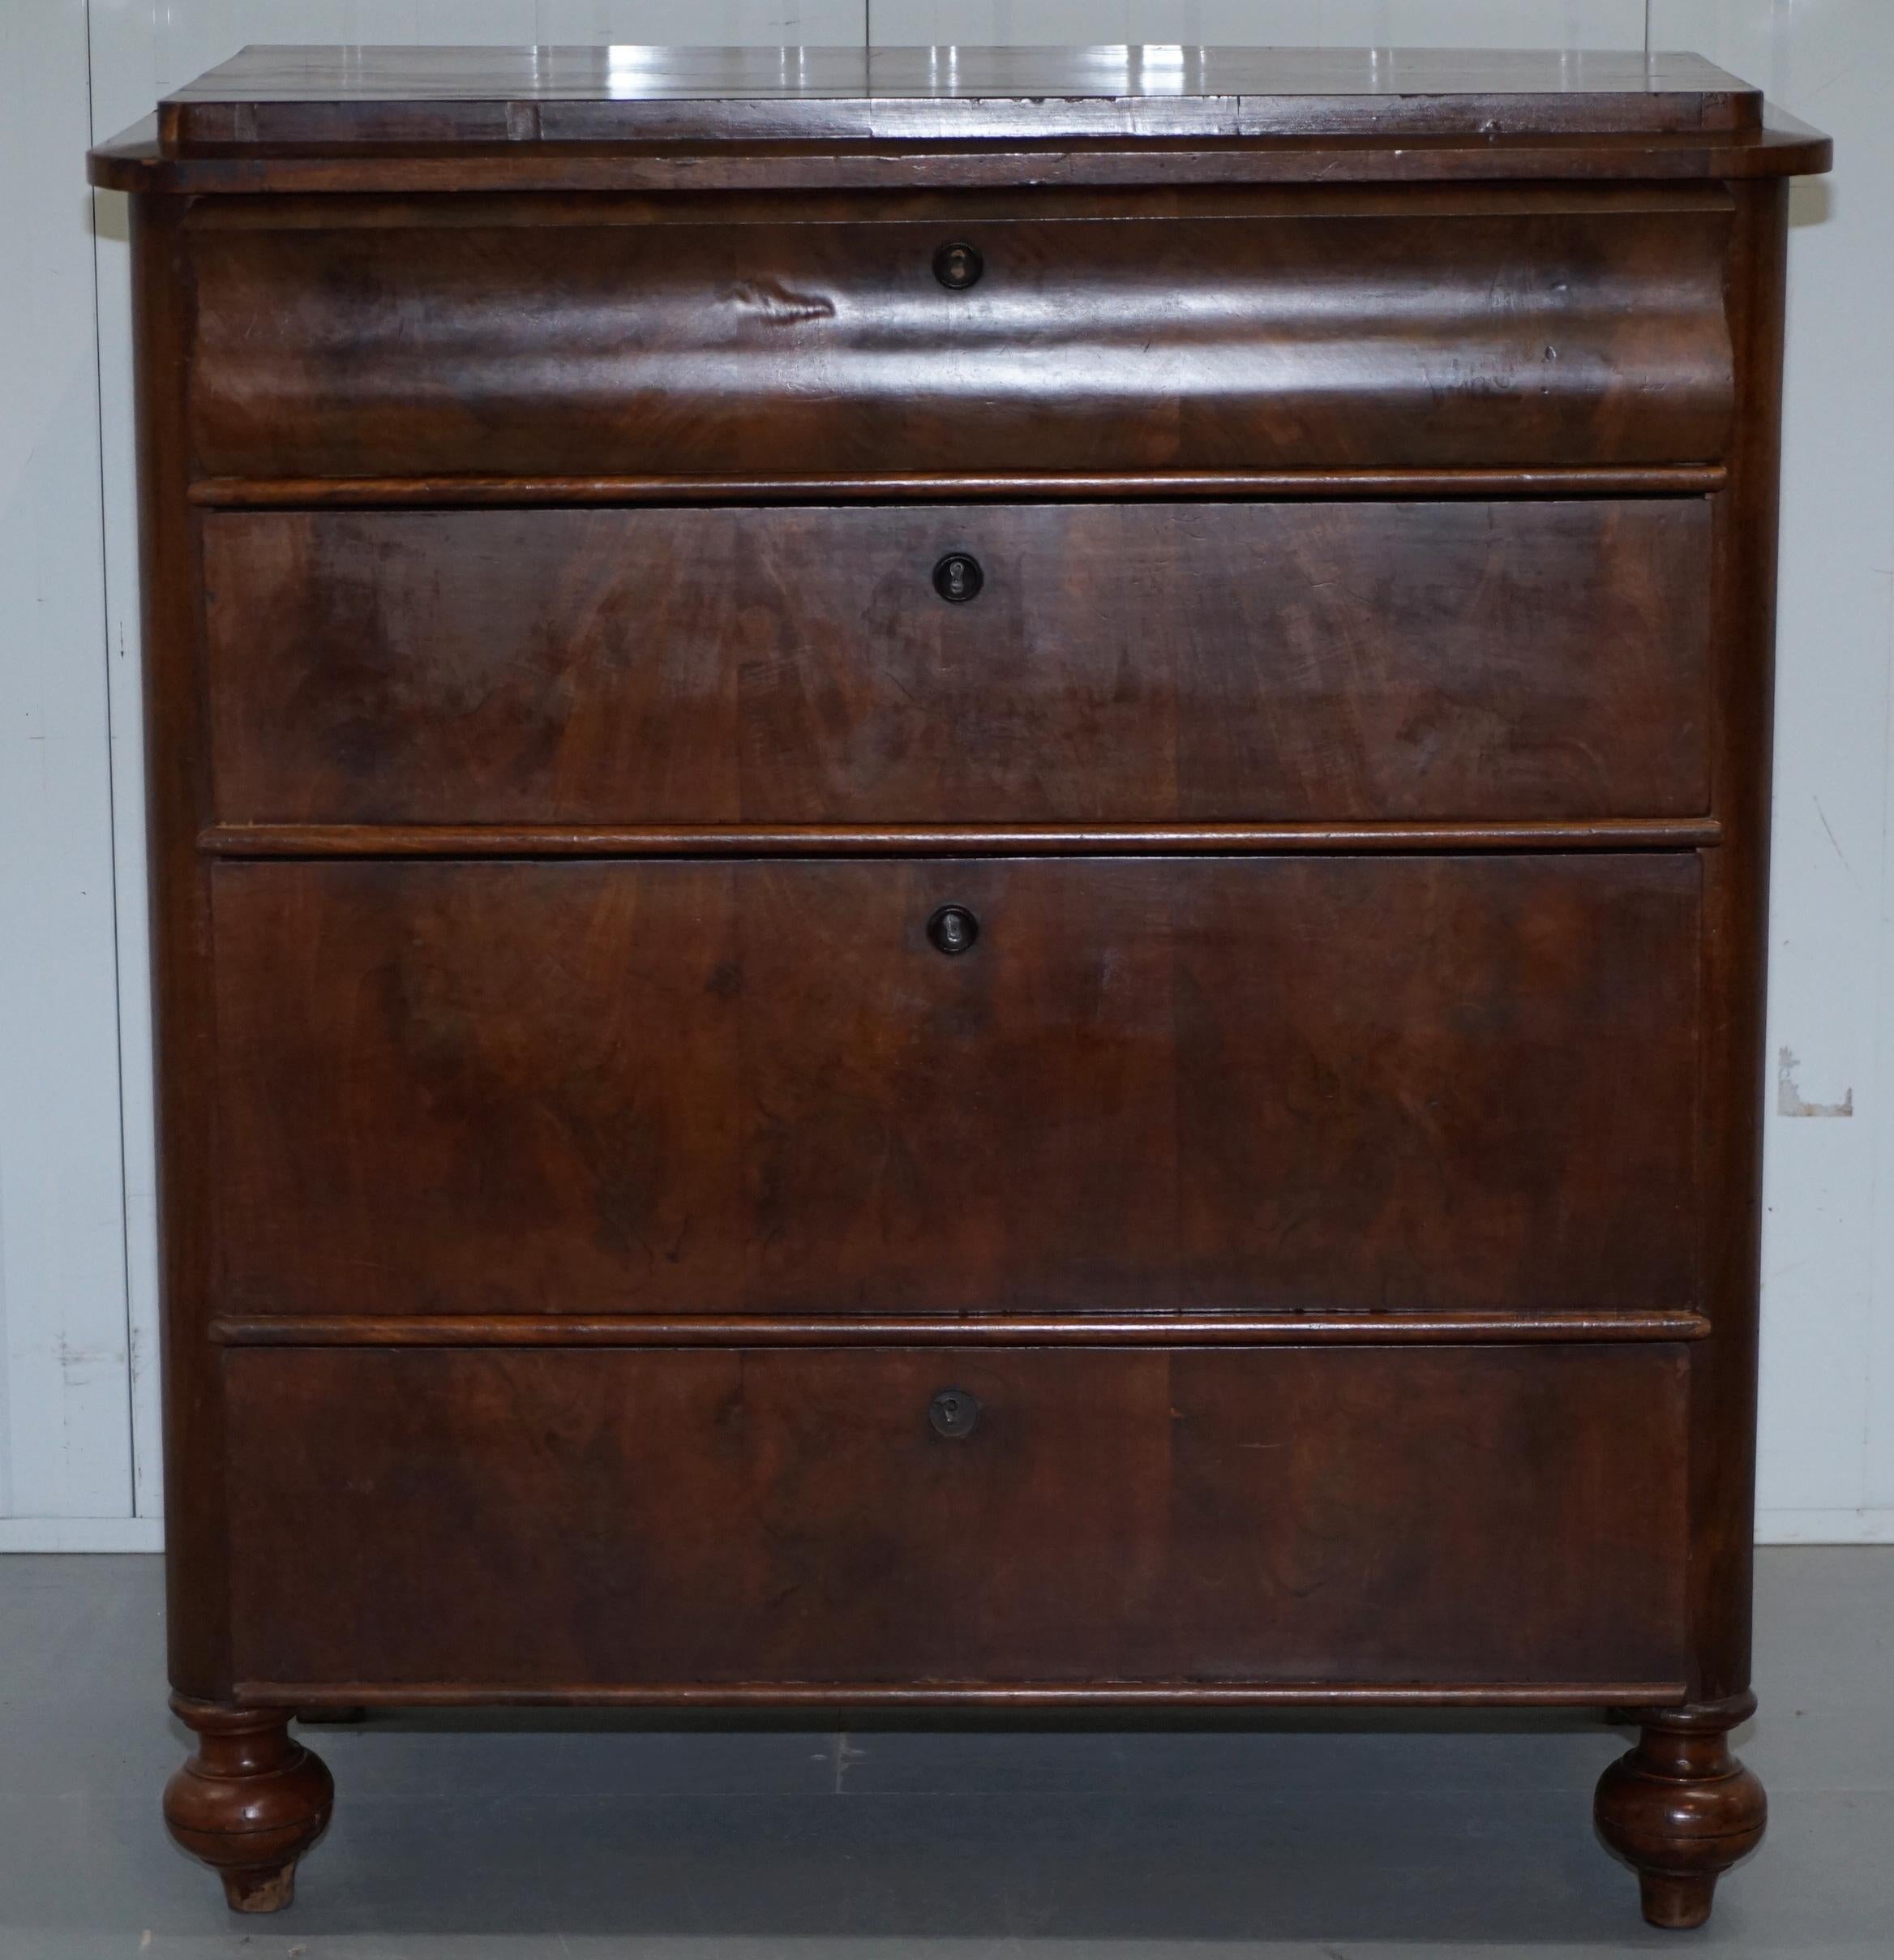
(1789, 1100)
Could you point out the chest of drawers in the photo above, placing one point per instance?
(958, 879)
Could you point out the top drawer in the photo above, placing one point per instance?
(343, 337)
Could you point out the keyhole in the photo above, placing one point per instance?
(957, 266)
(958, 577)
(954, 929)
(955, 1413)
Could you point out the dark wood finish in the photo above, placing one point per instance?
(1680, 1810)
(1156, 1517)
(1735, 961)
(550, 119)
(1150, 1329)
(1130, 663)
(250, 1802)
(1329, 1151)
(1013, 487)
(1589, 328)
(307, 840)
(135, 162)
(1005, 1698)
(177, 800)
(1354, 1083)
(292, 96)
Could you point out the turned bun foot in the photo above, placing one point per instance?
(249, 1803)
(1680, 1810)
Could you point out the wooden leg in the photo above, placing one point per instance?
(249, 1803)
(1680, 1809)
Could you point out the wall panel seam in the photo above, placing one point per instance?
(111, 795)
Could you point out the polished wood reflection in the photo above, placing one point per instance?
(1293, 1240)
(1128, 663)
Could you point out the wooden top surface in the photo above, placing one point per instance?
(363, 94)
(629, 74)
(639, 119)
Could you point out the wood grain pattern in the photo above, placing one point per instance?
(1331, 1163)
(1680, 1810)
(136, 162)
(447, 840)
(1735, 962)
(680, 1088)
(274, 96)
(1299, 1516)
(1190, 1700)
(1150, 1329)
(1577, 332)
(1005, 486)
(1122, 664)
(184, 1042)
(248, 1802)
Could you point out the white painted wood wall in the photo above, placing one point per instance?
(78, 1439)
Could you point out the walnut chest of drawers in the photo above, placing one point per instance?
(959, 890)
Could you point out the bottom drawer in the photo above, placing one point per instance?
(508, 1518)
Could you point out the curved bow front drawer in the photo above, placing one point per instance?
(350, 339)
(934, 664)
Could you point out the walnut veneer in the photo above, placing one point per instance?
(959, 885)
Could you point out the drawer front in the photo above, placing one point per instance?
(1517, 329)
(1323, 1083)
(1142, 663)
(549, 1519)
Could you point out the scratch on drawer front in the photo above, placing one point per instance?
(1788, 1097)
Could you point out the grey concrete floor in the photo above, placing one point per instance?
(1413, 1836)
